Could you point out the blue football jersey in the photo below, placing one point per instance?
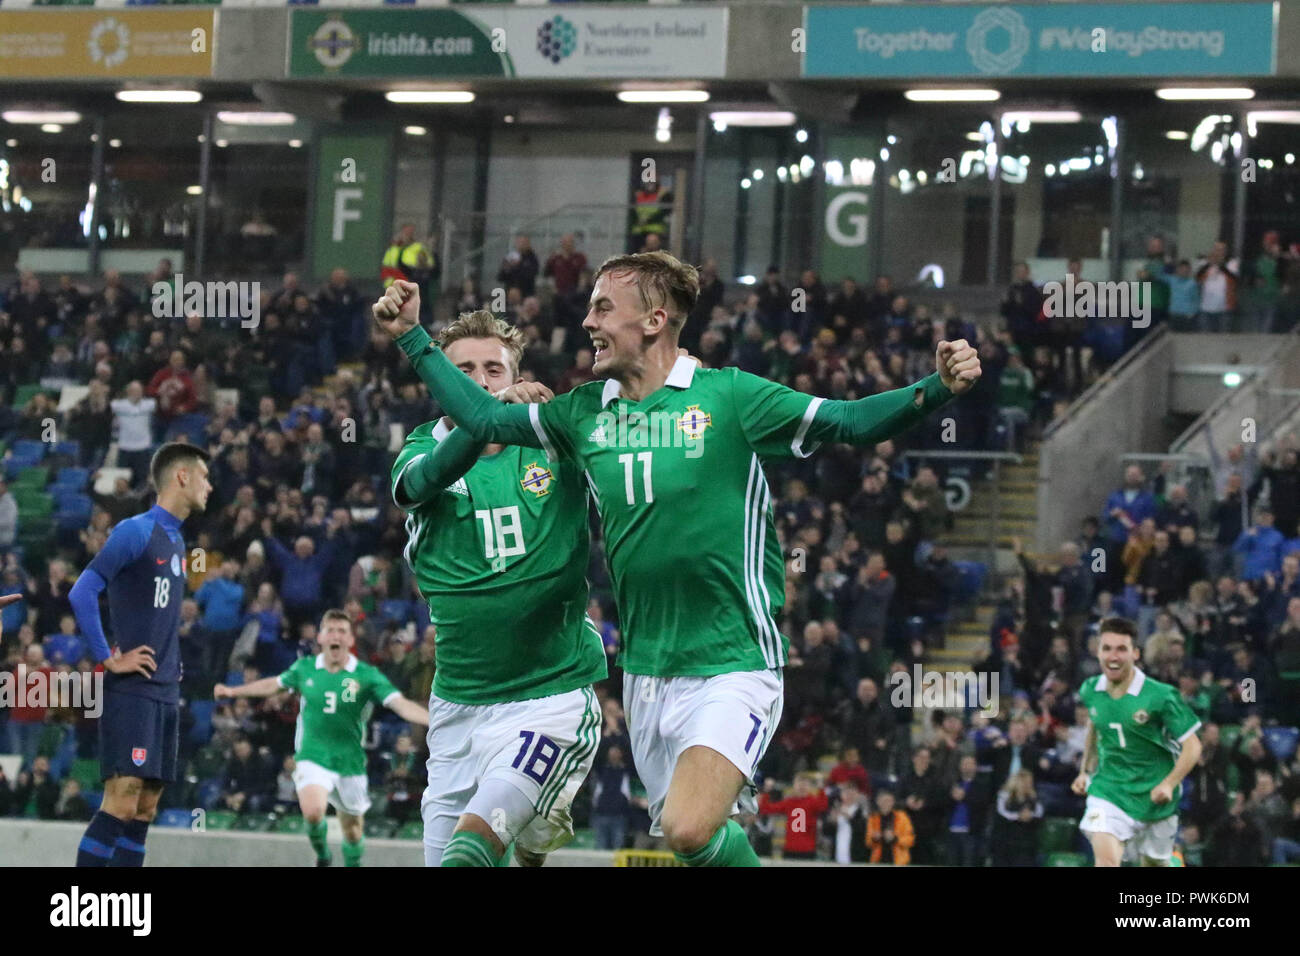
(143, 563)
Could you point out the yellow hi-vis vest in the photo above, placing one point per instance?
(410, 262)
(392, 265)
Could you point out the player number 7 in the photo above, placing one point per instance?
(1119, 730)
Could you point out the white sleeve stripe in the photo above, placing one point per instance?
(401, 474)
(1192, 730)
(535, 416)
(396, 693)
(809, 413)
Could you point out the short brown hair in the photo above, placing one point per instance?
(663, 280)
(1118, 625)
(334, 614)
(482, 324)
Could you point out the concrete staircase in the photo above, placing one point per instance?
(967, 639)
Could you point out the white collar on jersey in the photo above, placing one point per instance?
(1134, 686)
(440, 430)
(350, 666)
(679, 376)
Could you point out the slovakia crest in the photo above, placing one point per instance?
(176, 564)
(537, 479)
(139, 755)
(693, 422)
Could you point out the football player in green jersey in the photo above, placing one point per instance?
(338, 693)
(674, 456)
(1142, 736)
(499, 544)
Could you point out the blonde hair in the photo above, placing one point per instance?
(663, 281)
(482, 324)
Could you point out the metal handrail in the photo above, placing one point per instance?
(1109, 376)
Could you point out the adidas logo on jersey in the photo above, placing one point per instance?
(459, 488)
(598, 436)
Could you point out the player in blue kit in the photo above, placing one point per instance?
(143, 567)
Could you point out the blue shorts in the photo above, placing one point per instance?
(138, 737)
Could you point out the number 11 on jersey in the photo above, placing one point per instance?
(629, 484)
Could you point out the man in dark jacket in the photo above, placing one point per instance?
(248, 780)
(869, 726)
(927, 800)
(972, 795)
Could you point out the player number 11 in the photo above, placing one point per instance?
(629, 484)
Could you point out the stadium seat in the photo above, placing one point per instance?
(70, 448)
(29, 449)
(176, 818)
(26, 473)
(208, 762)
(1281, 741)
(70, 479)
(86, 773)
(234, 678)
(32, 503)
(65, 648)
(1067, 859)
(973, 575)
(411, 830)
(254, 822)
(1228, 736)
(66, 499)
(208, 793)
(25, 393)
(93, 799)
(1057, 835)
(201, 711)
(218, 820)
(395, 611)
(290, 824)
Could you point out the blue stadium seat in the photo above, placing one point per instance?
(176, 817)
(202, 711)
(65, 648)
(29, 449)
(93, 798)
(192, 425)
(973, 575)
(68, 499)
(70, 479)
(394, 611)
(208, 793)
(71, 448)
(1281, 741)
(234, 678)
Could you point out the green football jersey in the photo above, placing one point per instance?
(501, 558)
(685, 507)
(1139, 737)
(334, 709)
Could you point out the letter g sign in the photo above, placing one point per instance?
(858, 237)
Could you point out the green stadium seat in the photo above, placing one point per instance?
(35, 477)
(290, 824)
(32, 504)
(1057, 835)
(208, 762)
(219, 820)
(255, 822)
(25, 393)
(51, 739)
(411, 830)
(1229, 734)
(86, 773)
(1067, 859)
(1233, 778)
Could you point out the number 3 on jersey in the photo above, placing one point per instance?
(162, 590)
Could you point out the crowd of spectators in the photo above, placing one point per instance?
(300, 520)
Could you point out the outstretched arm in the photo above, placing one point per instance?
(266, 687)
(408, 710)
